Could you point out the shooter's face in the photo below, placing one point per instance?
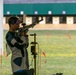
(15, 26)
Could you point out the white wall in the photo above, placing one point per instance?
(55, 20)
(28, 20)
(42, 22)
(69, 20)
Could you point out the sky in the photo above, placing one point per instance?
(37, 1)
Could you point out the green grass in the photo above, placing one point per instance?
(60, 50)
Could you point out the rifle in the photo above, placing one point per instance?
(26, 27)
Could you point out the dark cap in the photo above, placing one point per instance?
(13, 20)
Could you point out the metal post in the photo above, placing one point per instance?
(35, 53)
(1, 26)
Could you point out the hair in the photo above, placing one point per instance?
(12, 20)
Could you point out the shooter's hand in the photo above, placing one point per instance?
(24, 34)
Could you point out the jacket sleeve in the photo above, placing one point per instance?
(12, 41)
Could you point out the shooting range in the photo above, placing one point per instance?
(52, 35)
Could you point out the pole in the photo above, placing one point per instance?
(1, 26)
(33, 50)
(35, 53)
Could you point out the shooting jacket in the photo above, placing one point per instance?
(17, 47)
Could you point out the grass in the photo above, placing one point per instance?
(57, 49)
